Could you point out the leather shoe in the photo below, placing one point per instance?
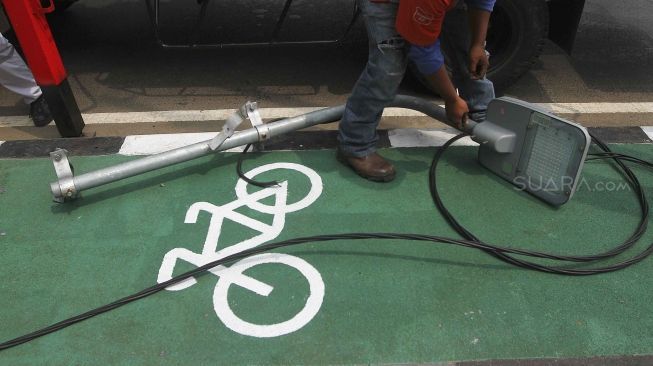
(373, 166)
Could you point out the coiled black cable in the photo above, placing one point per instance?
(470, 241)
(502, 255)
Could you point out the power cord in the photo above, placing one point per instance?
(469, 241)
(239, 171)
(502, 255)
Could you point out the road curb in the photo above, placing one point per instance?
(298, 140)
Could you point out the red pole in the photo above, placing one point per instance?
(28, 20)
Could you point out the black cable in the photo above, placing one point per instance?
(260, 249)
(622, 157)
(239, 170)
(501, 252)
(241, 175)
(640, 230)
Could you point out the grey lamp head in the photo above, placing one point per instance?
(533, 149)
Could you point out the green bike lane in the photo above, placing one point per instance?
(382, 302)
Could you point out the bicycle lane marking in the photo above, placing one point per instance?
(311, 308)
(209, 254)
(234, 274)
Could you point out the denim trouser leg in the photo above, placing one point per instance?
(378, 84)
(455, 41)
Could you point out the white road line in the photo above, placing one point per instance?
(15, 121)
(648, 130)
(411, 137)
(155, 144)
(597, 108)
(403, 137)
(222, 114)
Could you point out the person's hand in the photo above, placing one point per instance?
(457, 111)
(478, 62)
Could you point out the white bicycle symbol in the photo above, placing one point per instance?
(234, 275)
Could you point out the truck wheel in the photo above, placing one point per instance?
(517, 32)
(516, 36)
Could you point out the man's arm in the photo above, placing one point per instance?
(479, 12)
(455, 106)
(430, 62)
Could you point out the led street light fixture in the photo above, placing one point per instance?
(533, 149)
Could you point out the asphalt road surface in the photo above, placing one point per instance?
(116, 66)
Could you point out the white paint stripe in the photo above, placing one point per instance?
(597, 108)
(154, 144)
(222, 114)
(411, 137)
(648, 130)
(161, 116)
(405, 137)
(402, 112)
(190, 115)
(15, 121)
(1, 142)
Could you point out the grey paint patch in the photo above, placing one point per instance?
(593, 361)
(76, 146)
(620, 135)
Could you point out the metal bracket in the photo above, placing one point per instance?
(64, 188)
(254, 117)
(248, 111)
(229, 127)
(257, 122)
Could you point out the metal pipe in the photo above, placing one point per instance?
(68, 186)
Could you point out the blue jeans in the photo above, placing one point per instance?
(385, 69)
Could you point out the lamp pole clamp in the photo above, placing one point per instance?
(247, 111)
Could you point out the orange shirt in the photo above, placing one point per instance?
(420, 21)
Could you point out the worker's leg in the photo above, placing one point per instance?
(456, 40)
(377, 85)
(14, 73)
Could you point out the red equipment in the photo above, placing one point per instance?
(28, 20)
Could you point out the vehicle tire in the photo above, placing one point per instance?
(517, 32)
(516, 36)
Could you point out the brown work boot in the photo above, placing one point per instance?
(373, 166)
